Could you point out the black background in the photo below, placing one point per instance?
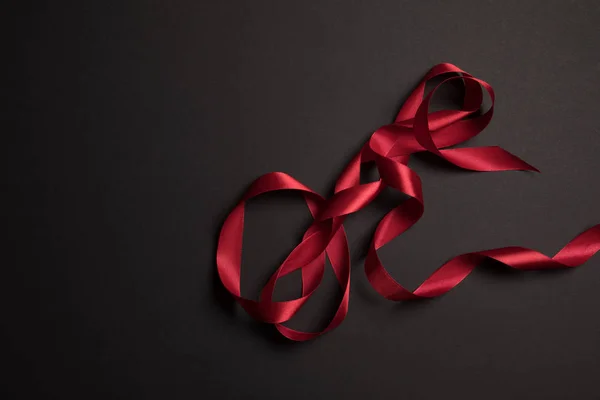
(134, 126)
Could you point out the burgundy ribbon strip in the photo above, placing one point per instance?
(415, 129)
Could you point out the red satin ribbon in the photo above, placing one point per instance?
(415, 129)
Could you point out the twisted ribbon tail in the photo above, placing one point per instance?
(453, 272)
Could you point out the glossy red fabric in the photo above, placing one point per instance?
(415, 129)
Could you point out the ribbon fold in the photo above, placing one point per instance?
(415, 129)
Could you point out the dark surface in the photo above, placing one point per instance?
(134, 127)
